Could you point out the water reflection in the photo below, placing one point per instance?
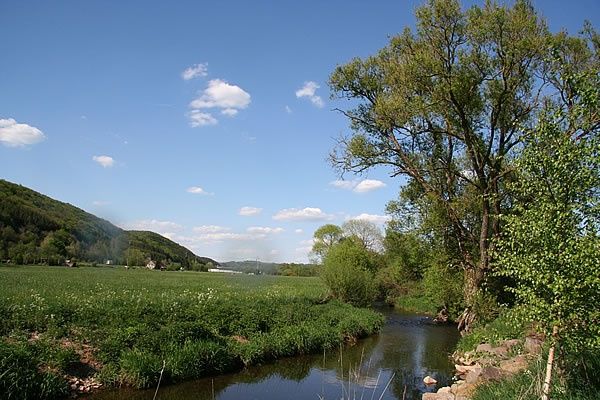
(408, 348)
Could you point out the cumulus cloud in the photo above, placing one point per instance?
(299, 231)
(210, 229)
(195, 71)
(198, 118)
(374, 218)
(225, 236)
(364, 186)
(198, 190)
(342, 184)
(230, 112)
(308, 91)
(152, 225)
(264, 229)
(368, 185)
(221, 94)
(249, 211)
(304, 214)
(13, 134)
(105, 161)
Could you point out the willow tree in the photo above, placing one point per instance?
(447, 105)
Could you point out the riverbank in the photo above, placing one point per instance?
(75, 329)
(389, 365)
(506, 359)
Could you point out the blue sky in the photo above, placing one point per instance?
(208, 122)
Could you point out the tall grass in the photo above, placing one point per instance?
(198, 324)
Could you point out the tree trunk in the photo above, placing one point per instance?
(473, 279)
(549, 365)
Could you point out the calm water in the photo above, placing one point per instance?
(407, 349)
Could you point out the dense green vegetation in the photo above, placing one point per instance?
(124, 323)
(493, 120)
(35, 229)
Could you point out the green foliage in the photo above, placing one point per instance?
(198, 324)
(21, 376)
(35, 229)
(527, 385)
(510, 324)
(348, 272)
(412, 298)
(444, 286)
(324, 238)
(447, 105)
(551, 247)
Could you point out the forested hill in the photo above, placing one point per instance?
(35, 228)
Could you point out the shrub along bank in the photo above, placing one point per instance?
(118, 327)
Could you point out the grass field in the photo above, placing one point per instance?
(122, 325)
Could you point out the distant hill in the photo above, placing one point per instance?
(35, 228)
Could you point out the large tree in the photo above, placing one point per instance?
(447, 105)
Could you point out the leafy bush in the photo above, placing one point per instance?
(348, 273)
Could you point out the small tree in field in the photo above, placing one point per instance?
(551, 245)
(348, 272)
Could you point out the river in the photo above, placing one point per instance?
(393, 362)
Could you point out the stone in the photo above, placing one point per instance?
(514, 365)
(465, 390)
(473, 376)
(464, 369)
(509, 344)
(484, 348)
(533, 345)
(491, 374)
(438, 396)
(500, 351)
(429, 380)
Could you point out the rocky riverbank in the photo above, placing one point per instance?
(488, 363)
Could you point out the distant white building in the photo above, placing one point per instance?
(151, 264)
(226, 271)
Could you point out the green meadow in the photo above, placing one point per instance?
(122, 326)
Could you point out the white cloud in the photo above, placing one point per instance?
(364, 186)
(288, 109)
(198, 118)
(342, 184)
(230, 112)
(105, 161)
(369, 185)
(374, 218)
(249, 211)
(307, 242)
(299, 231)
(100, 203)
(152, 225)
(210, 229)
(222, 236)
(221, 94)
(308, 91)
(195, 71)
(304, 214)
(13, 134)
(198, 190)
(264, 229)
